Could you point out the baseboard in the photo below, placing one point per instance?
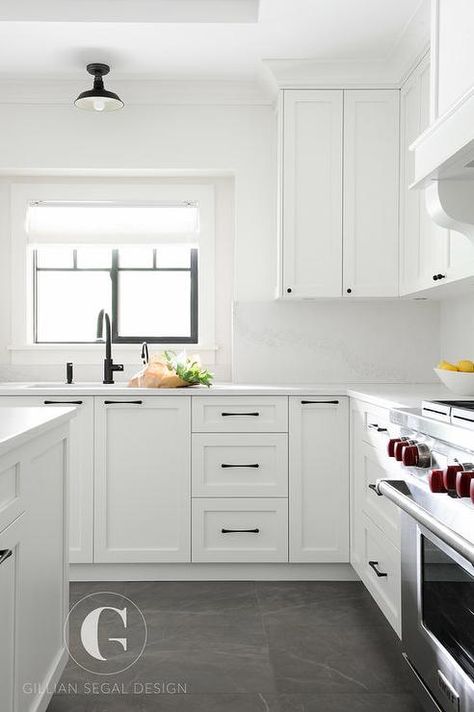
(212, 572)
(48, 685)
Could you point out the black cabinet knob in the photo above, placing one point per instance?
(349, 291)
(436, 277)
(289, 290)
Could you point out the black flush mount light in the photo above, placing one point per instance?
(98, 98)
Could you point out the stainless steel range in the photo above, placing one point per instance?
(436, 445)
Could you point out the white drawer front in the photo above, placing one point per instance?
(240, 414)
(383, 512)
(240, 530)
(240, 465)
(382, 557)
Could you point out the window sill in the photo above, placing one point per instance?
(94, 353)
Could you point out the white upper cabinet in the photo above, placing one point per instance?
(371, 180)
(311, 199)
(424, 245)
(429, 254)
(143, 479)
(339, 188)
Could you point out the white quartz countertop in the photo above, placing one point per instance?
(18, 425)
(387, 395)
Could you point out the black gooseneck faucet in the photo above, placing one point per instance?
(109, 365)
(145, 356)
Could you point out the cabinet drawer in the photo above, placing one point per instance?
(385, 586)
(240, 530)
(240, 465)
(383, 512)
(240, 414)
(11, 505)
(376, 426)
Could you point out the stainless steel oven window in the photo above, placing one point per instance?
(447, 591)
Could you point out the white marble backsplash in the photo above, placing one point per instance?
(331, 342)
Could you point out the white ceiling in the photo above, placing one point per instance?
(230, 47)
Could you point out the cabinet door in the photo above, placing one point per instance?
(311, 201)
(10, 542)
(423, 243)
(371, 185)
(142, 479)
(319, 480)
(81, 470)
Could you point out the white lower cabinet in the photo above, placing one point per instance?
(143, 479)
(380, 571)
(239, 530)
(319, 479)
(9, 611)
(375, 522)
(81, 469)
(34, 573)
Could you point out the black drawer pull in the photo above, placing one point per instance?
(137, 402)
(226, 465)
(328, 402)
(377, 427)
(225, 415)
(374, 489)
(5, 554)
(50, 402)
(373, 565)
(240, 531)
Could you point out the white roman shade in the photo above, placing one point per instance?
(110, 222)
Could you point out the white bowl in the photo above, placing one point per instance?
(457, 381)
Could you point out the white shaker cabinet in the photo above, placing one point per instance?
(319, 479)
(339, 188)
(81, 468)
(430, 255)
(424, 245)
(142, 479)
(371, 187)
(311, 193)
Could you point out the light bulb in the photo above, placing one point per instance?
(99, 104)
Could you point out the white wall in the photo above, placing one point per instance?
(304, 342)
(457, 328)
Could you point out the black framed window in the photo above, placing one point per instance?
(150, 292)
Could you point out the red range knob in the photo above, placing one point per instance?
(391, 446)
(436, 481)
(399, 447)
(410, 456)
(463, 483)
(449, 478)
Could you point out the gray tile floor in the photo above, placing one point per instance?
(252, 647)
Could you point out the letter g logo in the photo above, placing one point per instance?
(90, 631)
(96, 624)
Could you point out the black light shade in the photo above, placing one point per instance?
(98, 98)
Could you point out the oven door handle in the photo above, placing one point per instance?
(393, 490)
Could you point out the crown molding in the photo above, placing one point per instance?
(41, 90)
(386, 72)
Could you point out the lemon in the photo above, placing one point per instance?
(446, 366)
(466, 366)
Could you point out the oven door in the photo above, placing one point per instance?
(438, 618)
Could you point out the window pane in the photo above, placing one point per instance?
(68, 304)
(54, 257)
(173, 256)
(136, 257)
(154, 304)
(95, 257)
